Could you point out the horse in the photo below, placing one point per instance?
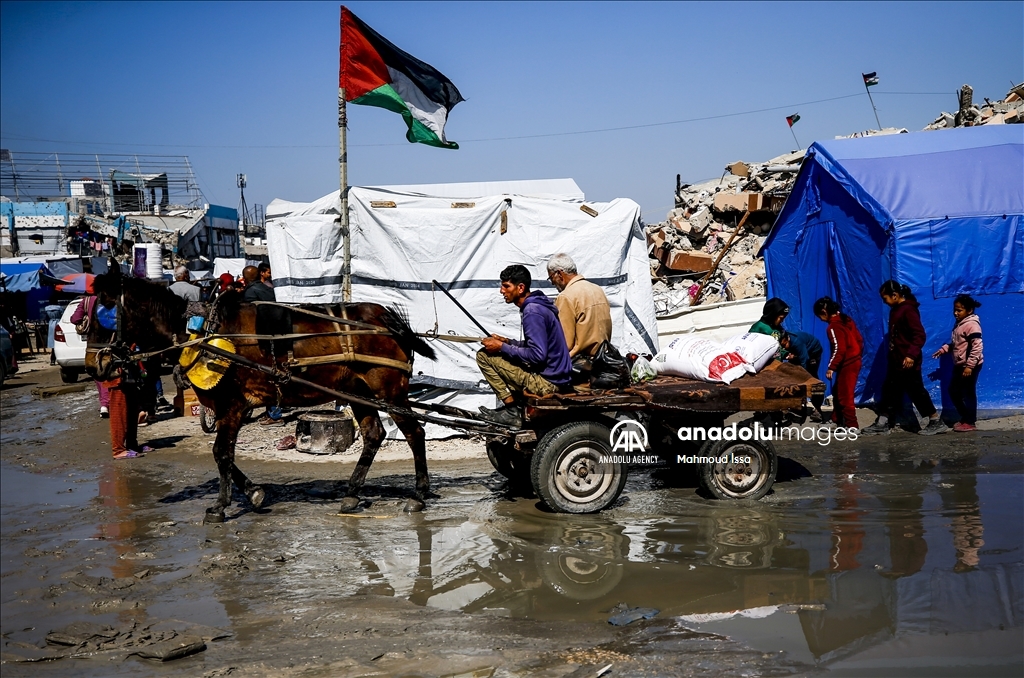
(373, 363)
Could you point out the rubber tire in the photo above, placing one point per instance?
(712, 481)
(70, 375)
(499, 454)
(589, 440)
(207, 419)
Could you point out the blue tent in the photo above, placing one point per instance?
(938, 211)
(19, 277)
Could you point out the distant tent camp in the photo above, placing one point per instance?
(938, 211)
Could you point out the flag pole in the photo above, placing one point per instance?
(346, 270)
(868, 90)
(794, 137)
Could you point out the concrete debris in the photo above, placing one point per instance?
(875, 133)
(685, 246)
(1007, 111)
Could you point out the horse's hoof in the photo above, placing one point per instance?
(213, 516)
(349, 505)
(257, 496)
(414, 506)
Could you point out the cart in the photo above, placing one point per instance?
(569, 451)
(565, 450)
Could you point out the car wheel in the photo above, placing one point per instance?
(569, 473)
(747, 471)
(69, 375)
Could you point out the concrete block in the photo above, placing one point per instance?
(681, 225)
(694, 261)
(700, 220)
(656, 240)
(739, 202)
(746, 283)
(739, 168)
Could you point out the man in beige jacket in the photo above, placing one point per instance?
(583, 309)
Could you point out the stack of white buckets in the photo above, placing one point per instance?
(148, 261)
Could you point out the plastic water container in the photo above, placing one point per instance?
(148, 258)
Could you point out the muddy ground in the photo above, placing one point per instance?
(897, 555)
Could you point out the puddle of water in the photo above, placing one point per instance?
(886, 561)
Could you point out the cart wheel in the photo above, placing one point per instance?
(739, 479)
(567, 473)
(509, 462)
(207, 419)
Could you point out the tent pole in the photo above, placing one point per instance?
(343, 170)
(872, 100)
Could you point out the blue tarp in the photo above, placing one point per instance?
(939, 211)
(22, 277)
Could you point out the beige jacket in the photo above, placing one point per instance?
(585, 316)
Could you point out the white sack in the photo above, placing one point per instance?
(696, 358)
(757, 349)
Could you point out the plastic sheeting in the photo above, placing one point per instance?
(457, 239)
(938, 211)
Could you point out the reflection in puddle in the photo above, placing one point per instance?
(894, 560)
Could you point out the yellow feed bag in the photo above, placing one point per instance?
(203, 369)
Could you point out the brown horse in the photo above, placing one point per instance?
(152, 318)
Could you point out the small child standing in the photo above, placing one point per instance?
(903, 374)
(968, 359)
(805, 351)
(846, 346)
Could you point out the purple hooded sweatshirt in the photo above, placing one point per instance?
(543, 347)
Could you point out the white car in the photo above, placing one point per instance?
(69, 346)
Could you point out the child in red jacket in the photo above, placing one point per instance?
(968, 359)
(846, 347)
(903, 376)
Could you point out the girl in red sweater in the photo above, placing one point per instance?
(968, 360)
(846, 347)
(903, 376)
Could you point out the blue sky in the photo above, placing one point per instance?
(253, 87)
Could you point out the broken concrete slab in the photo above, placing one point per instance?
(738, 202)
(679, 260)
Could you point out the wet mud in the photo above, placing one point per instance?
(898, 555)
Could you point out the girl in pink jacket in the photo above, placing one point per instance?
(967, 361)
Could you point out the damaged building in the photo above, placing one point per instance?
(97, 205)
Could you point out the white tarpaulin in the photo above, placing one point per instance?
(404, 237)
(229, 265)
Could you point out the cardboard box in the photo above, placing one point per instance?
(186, 404)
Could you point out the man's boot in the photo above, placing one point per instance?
(509, 415)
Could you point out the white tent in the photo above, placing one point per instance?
(462, 235)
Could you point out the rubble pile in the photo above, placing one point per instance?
(1010, 110)
(685, 246)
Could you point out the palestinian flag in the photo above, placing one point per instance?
(792, 119)
(376, 73)
(870, 78)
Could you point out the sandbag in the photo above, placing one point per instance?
(756, 349)
(697, 358)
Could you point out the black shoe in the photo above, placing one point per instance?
(509, 415)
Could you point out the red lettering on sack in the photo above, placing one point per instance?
(723, 363)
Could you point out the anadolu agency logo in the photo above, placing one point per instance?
(628, 440)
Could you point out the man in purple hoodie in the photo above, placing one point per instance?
(538, 364)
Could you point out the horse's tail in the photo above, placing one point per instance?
(397, 322)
